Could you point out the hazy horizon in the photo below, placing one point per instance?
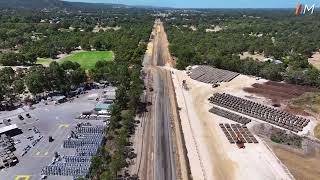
(208, 3)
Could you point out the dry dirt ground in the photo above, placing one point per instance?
(315, 60)
(282, 94)
(317, 131)
(308, 102)
(300, 100)
(211, 156)
(278, 92)
(214, 29)
(302, 167)
(258, 57)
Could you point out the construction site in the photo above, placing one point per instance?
(207, 123)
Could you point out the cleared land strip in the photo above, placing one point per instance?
(196, 163)
(181, 151)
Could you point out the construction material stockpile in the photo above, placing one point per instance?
(234, 132)
(86, 140)
(7, 157)
(230, 115)
(261, 112)
(211, 75)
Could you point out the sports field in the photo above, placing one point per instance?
(88, 59)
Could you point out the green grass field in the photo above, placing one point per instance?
(88, 59)
(44, 60)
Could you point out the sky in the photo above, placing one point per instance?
(211, 3)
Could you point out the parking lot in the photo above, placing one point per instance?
(46, 120)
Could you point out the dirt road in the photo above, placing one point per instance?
(156, 138)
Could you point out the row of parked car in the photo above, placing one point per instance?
(22, 118)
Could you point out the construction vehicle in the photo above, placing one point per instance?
(215, 85)
(50, 139)
(240, 143)
(184, 85)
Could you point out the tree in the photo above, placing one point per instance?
(18, 86)
(67, 65)
(97, 44)
(7, 76)
(77, 77)
(9, 59)
(85, 45)
(2, 93)
(56, 77)
(36, 80)
(272, 71)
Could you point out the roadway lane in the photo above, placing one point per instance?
(156, 158)
(164, 156)
(164, 168)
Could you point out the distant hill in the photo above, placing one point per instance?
(52, 4)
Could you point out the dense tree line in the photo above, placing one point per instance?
(38, 79)
(124, 72)
(26, 35)
(279, 34)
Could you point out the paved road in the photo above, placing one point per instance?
(164, 156)
(162, 163)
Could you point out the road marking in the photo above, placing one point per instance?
(64, 125)
(43, 151)
(41, 155)
(22, 177)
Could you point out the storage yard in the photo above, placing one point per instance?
(50, 141)
(236, 133)
(262, 112)
(208, 116)
(229, 115)
(85, 139)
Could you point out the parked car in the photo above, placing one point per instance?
(36, 130)
(20, 117)
(51, 139)
(28, 115)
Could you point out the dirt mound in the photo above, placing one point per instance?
(278, 92)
